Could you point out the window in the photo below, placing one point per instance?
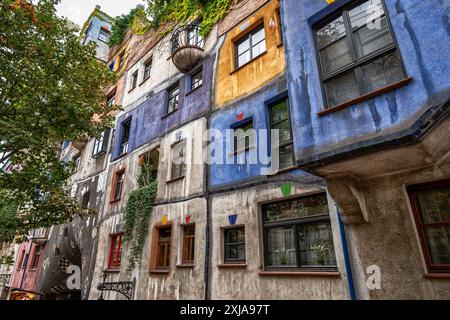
(280, 26)
(25, 261)
(188, 244)
(234, 240)
(101, 144)
(147, 69)
(118, 186)
(243, 136)
(178, 160)
(174, 94)
(104, 35)
(85, 199)
(250, 46)
(279, 120)
(121, 60)
(125, 137)
(115, 252)
(134, 80)
(36, 257)
(431, 207)
(76, 160)
(164, 247)
(111, 99)
(357, 53)
(22, 257)
(196, 80)
(65, 144)
(297, 234)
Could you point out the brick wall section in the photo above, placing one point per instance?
(238, 13)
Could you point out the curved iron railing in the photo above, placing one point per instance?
(187, 36)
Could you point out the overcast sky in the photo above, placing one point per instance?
(79, 10)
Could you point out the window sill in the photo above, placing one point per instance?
(287, 169)
(249, 62)
(131, 90)
(114, 201)
(368, 96)
(32, 270)
(443, 276)
(175, 179)
(232, 265)
(300, 273)
(193, 90)
(163, 272)
(144, 81)
(112, 271)
(279, 45)
(186, 266)
(170, 113)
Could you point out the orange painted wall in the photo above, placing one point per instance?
(232, 83)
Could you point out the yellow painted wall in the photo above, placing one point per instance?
(232, 84)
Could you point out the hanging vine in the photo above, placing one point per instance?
(209, 12)
(138, 211)
(121, 25)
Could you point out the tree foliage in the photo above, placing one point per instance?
(209, 12)
(51, 90)
(121, 25)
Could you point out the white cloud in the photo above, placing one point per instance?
(79, 10)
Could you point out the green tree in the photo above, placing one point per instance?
(51, 90)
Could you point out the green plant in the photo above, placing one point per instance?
(138, 211)
(182, 11)
(120, 26)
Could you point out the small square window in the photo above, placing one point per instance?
(121, 60)
(244, 136)
(37, 255)
(234, 242)
(178, 169)
(104, 35)
(118, 185)
(125, 137)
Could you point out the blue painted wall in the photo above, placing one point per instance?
(93, 32)
(422, 30)
(149, 120)
(255, 107)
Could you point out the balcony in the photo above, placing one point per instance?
(187, 47)
(39, 236)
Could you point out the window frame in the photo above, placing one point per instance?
(100, 147)
(38, 251)
(196, 84)
(294, 224)
(123, 146)
(412, 195)
(190, 246)
(173, 148)
(175, 87)
(167, 252)
(272, 123)
(134, 80)
(356, 62)
(115, 265)
(147, 69)
(227, 260)
(103, 30)
(241, 125)
(249, 36)
(121, 60)
(114, 196)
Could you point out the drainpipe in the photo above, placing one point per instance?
(348, 267)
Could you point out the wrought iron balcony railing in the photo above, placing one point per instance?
(187, 46)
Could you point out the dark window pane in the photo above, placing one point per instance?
(434, 204)
(316, 245)
(331, 32)
(286, 156)
(280, 112)
(341, 88)
(372, 37)
(243, 46)
(281, 247)
(382, 72)
(335, 56)
(298, 208)
(284, 130)
(438, 240)
(366, 12)
(234, 244)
